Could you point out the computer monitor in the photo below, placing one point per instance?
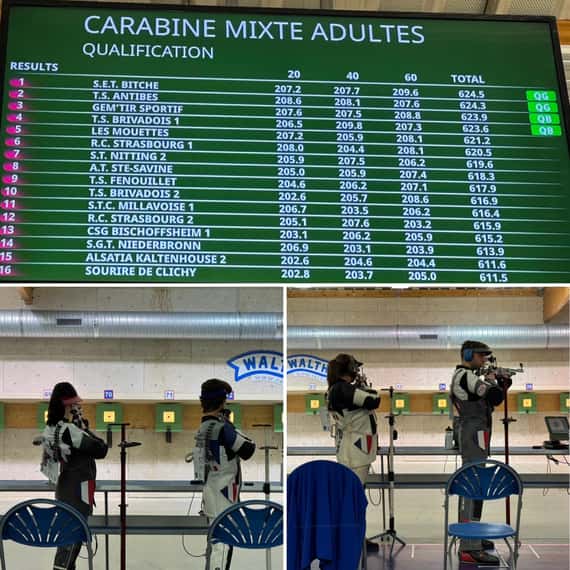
(558, 427)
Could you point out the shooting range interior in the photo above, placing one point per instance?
(410, 339)
(139, 355)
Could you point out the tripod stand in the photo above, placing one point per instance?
(390, 534)
(124, 444)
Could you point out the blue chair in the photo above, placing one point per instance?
(485, 480)
(46, 527)
(244, 526)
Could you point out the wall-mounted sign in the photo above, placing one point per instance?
(307, 365)
(108, 394)
(141, 143)
(258, 364)
(169, 394)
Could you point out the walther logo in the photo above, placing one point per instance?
(307, 364)
(260, 364)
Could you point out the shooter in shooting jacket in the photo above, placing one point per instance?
(68, 460)
(219, 449)
(475, 392)
(352, 403)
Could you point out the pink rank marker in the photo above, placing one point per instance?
(12, 167)
(8, 231)
(19, 82)
(9, 180)
(16, 106)
(18, 94)
(15, 118)
(5, 217)
(13, 154)
(16, 130)
(13, 142)
(8, 192)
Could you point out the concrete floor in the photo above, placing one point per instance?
(143, 553)
(429, 557)
(419, 515)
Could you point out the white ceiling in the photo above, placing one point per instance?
(558, 8)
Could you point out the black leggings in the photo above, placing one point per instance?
(66, 556)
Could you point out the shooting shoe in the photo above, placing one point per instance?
(479, 557)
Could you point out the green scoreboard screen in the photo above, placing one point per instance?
(156, 144)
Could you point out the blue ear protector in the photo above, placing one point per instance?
(468, 354)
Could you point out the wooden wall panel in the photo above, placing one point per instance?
(555, 301)
(140, 416)
(564, 31)
(192, 417)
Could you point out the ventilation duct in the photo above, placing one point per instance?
(71, 324)
(426, 337)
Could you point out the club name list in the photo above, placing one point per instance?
(140, 183)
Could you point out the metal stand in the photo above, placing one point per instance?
(506, 421)
(124, 444)
(383, 493)
(390, 534)
(106, 535)
(267, 482)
